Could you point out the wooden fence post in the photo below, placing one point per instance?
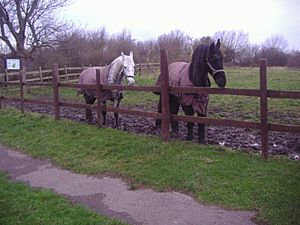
(263, 108)
(41, 75)
(6, 75)
(22, 83)
(55, 91)
(140, 69)
(99, 109)
(66, 74)
(165, 120)
(6, 79)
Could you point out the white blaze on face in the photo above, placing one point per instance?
(129, 67)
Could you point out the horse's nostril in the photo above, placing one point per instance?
(221, 81)
(222, 84)
(131, 81)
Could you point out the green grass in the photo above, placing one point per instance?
(20, 204)
(216, 176)
(247, 108)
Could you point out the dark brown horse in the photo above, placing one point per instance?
(206, 59)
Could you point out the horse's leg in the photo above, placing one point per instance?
(158, 121)
(174, 108)
(188, 110)
(116, 115)
(89, 99)
(104, 114)
(116, 105)
(201, 132)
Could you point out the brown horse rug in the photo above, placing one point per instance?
(179, 76)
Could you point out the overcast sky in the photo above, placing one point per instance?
(151, 18)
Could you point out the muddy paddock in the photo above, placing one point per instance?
(236, 138)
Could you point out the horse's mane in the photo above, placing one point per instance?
(198, 72)
(114, 69)
(115, 72)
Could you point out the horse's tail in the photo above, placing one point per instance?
(80, 81)
(158, 82)
(79, 92)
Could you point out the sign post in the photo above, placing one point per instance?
(12, 63)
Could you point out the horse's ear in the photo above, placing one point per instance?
(123, 57)
(218, 45)
(212, 47)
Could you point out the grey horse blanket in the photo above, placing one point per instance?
(88, 76)
(179, 76)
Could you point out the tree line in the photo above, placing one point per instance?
(30, 30)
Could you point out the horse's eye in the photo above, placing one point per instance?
(217, 57)
(125, 67)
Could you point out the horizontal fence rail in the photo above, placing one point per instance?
(65, 73)
(263, 94)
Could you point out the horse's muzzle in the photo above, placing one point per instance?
(220, 79)
(130, 80)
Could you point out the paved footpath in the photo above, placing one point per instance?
(111, 197)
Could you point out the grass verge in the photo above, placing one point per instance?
(20, 204)
(210, 174)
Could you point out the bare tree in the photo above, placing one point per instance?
(79, 46)
(294, 59)
(274, 50)
(178, 45)
(147, 51)
(206, 40)
(234, 44)
(117, 43)
(27, 25)
(275, 41)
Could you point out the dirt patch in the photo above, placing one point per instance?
(236, 138)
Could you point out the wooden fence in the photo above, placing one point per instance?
(264, 126)
(66, 73)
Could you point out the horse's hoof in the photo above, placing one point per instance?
(157, 127)
(158, 123)
(189, 138)
(175, 130)
(90, 121)
(203, 141)
(174, 134)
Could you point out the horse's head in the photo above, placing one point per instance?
(214, 62)
(128, 67)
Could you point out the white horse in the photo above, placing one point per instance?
(121, 67)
